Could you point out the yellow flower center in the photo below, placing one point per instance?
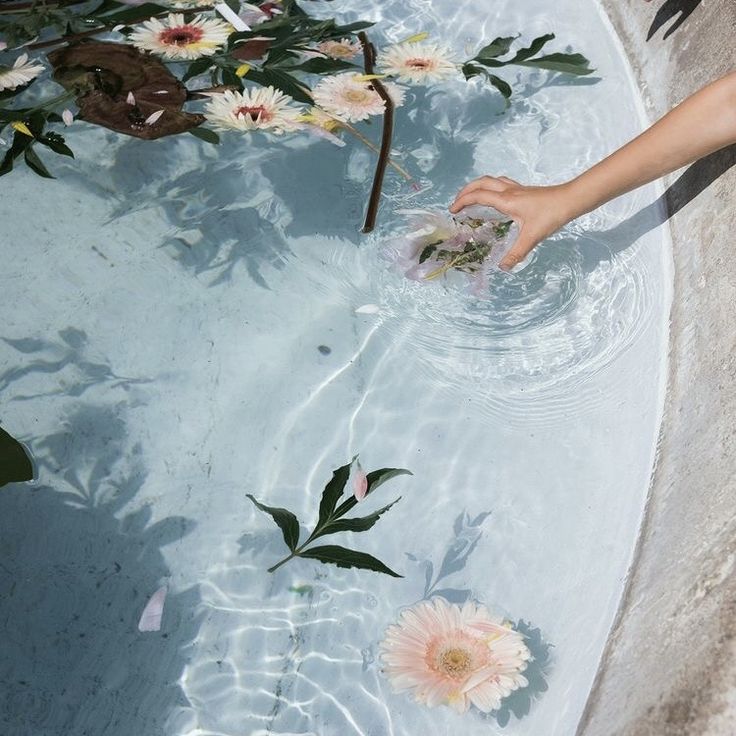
(454, 663)
(357, 95)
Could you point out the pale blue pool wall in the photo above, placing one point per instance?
(670, 663)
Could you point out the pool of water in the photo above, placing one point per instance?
(180, 329)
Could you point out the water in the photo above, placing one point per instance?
(180, 330)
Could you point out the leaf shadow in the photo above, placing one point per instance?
(70, 352)
(74, 579)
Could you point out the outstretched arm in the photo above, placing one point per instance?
(702, 124)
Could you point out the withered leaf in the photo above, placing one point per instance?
(103, 75)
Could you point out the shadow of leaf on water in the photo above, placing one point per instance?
(71, 350)
(467, 533)
(74, 579)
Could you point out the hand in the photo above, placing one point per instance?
(538, 211)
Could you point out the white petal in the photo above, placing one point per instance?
(368, 309)
(153, 117)
(68, 117)
(152, 613)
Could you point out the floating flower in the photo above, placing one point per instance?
(344, 49)
(473, 243)
(173, 38)
(417, 63)
(350, 97)
(262, 108)
(21, 73)
(452, 655)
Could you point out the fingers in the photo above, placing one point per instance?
(490, 183)
(522, 248)
(479, 196)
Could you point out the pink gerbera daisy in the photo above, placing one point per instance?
(453, 655)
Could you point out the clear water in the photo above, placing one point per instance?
(164, 306)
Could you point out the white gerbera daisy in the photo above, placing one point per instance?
(350, 97)
(417, 63)
(172, 38)
(21, 73)
(344, 49)
(261, 108)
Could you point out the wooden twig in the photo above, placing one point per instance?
(369, 60)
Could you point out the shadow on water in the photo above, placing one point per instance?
(71, 350)
(669, 10)
(693, 182)
(467, 533)
(75, 574)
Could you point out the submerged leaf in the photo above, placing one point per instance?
(15, 466)
(285, 520)
(347, 558)
(497, 47)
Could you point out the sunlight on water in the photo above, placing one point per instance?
(184, 331)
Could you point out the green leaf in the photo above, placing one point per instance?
(200, 66)
(379, 477)
(6, 165)
(427, 252)
(285, 520)
(358, 524)
(503, 87)
(281, 80)
(566, 63)
(533, 48)
(332, 493)
(57, 145)
(35, 163)
(375, 479)
(470, 70)
(497, 47)
(205, 134)
(15, 466)
(322, 66)
(343, 557)
(134, 14)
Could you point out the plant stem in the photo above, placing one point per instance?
(373, 147)
(369, 55)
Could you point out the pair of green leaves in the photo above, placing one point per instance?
(331, 520)
(488, 58)
(15, 467)
(23, 144)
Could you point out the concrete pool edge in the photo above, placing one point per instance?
(668, 667)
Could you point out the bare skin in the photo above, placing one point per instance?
(702, 124)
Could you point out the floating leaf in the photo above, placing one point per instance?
(375, 479)
(359, 524)
(343, 557)
(286, 521)
(15, 466)
(497, 47)
(565, 63)
(205, 134)
(35, 163)
(281, 80)
(534, 47)
(332, 493)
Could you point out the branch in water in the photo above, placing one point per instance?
(369, 57)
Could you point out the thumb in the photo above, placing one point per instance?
(523, 246)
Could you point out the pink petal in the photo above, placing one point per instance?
(360, 484)
(152, 613)
(68, 117)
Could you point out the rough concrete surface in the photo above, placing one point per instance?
(670, 665)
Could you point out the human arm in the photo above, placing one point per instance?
(705, 122)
